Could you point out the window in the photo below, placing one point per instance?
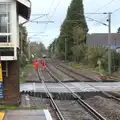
(5, 23)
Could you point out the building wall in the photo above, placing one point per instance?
(101, 39)
(14, 27)
(14, 22)
(11, 83)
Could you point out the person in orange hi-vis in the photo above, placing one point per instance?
(44, 65)
(36, 65)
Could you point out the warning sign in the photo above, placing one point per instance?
(1, 91)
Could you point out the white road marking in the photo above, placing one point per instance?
(28, 100)
(34, 87)
(47, 115)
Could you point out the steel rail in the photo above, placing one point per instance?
(103, 92)
(78, 73)
(79, 100)
(54, 105)
(74, 73)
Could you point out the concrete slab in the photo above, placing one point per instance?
(28, 115)
(75, 86)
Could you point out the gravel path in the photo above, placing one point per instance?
(86, 72)
(47, 76)
(31, 75)
(69, 109)
(72, 111)
(110, 109)
(71, 74)
(59, 74)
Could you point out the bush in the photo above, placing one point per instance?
(95, 53)
(23, 60)
(101, 53)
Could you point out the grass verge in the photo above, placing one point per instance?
(23, 71)
(5, 108)
(82, 67)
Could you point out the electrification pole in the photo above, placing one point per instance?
(109, 38)
(65, 49)
(109, 44)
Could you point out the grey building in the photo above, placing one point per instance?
(101, 39)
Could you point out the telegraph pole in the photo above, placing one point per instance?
(109, 44)
(65, 49)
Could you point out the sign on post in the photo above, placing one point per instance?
(99, 64)
(1, 91)
(1, 78)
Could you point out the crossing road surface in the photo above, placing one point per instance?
(75, 86)
(28, 115)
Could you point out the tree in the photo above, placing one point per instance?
(118, 31)
(23, 44)
(95, 53)
(37, 48)
(74, 23)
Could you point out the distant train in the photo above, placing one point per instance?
(44, 56)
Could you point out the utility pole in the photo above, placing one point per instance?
(109, 44)
(65, 49)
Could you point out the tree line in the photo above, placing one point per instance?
(29, 50)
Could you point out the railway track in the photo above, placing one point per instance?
(73, 109)
(74, 75)
(109, 95)
(65, 110)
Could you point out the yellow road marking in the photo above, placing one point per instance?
(2, 114)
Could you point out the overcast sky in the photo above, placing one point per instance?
(57, 10)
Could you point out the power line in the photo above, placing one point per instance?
(55, 9)
(116, 10)
(40, 16)
(96, 21)
(42, 22)
(104, 5)
(50, 6)
(52, 15)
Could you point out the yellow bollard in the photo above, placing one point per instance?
(2, 114)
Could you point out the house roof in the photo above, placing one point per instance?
(24, 8)
(101, 39)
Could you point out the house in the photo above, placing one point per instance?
(101, 39)
(10, 10)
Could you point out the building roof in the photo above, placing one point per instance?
(101, 39)
(24, 8)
